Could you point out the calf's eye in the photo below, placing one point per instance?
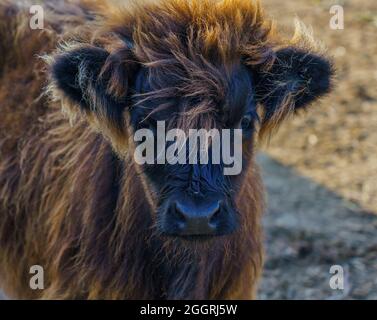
(246, 122)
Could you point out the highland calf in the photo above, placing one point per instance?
(72, 198)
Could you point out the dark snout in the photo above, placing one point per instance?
(198, 216)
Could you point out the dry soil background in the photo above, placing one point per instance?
(321, 168)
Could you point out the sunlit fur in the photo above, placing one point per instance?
(70, 203)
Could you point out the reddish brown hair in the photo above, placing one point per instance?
(62, 203)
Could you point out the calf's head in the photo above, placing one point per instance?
(190, 65)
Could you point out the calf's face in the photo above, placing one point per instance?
(126, 90)
(191, 199)
(194, 198)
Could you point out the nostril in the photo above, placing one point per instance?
(213, 220)
(179, 215)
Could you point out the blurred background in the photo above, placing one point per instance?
(320, 169)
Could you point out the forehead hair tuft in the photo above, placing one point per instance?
(192, 46)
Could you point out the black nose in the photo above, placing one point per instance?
(193, 217)
(200, 220)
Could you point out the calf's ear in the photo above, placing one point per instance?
(93, 80)
(294, 80)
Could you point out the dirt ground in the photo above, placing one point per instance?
(309, 228)
(321, 168)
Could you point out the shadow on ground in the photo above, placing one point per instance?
(309, 228)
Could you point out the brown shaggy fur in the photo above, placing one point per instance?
(70, 203)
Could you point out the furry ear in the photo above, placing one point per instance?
(295, 79)
(94, 80)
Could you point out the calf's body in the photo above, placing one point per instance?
(69, 204)
(72, 198)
